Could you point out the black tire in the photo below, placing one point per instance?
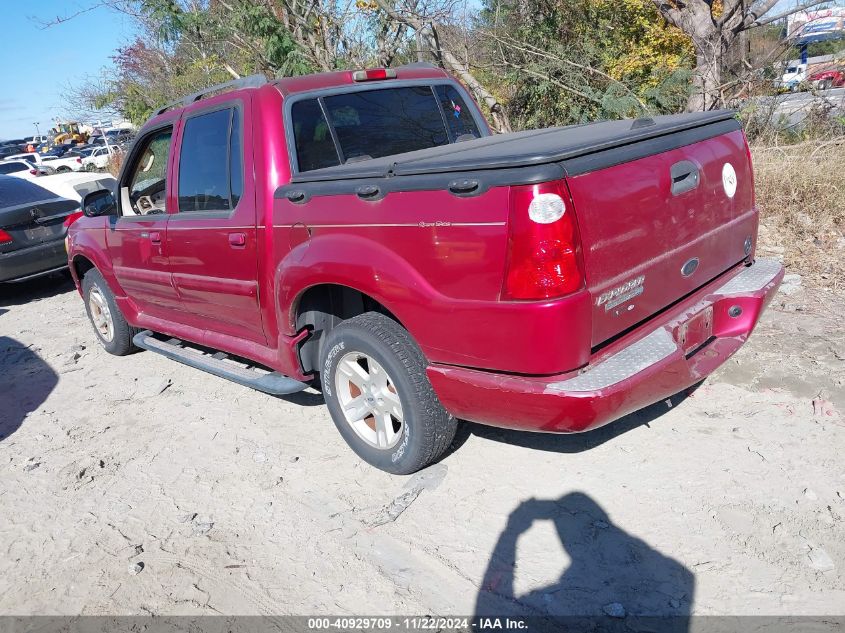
(427, 429)
(121, 340)
(62, 170)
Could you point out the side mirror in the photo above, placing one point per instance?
(99, 203)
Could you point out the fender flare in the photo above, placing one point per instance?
(380, 273)
(82, 245)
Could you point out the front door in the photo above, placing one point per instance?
(211, 239)
(137, 238)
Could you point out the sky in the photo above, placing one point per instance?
(37, 63)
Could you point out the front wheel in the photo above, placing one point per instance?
(108, 321)
(378, 394)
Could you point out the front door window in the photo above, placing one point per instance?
(144, 190)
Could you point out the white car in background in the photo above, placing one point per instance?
(21, 169)
(60, 164)
(75, 186)
(31, 157)
(99, 158)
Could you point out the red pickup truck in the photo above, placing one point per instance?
(364, 232)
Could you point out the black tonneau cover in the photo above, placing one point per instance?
(580, 148)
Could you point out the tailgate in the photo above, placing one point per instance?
(656, 228)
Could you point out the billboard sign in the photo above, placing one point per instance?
(816, 25)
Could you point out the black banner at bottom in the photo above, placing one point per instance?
(410, 624)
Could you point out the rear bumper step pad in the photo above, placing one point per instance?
(219, 364)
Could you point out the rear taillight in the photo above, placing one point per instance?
(5, 238)
(34, 172)
(73, 217)
(78, 160)
(373, 74)
(543, 251)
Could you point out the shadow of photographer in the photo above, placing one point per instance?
(613, 579)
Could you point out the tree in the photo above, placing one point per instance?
(715, 26)
(426, 20)
(573, 61)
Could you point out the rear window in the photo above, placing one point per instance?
(15, 191)
(379, 123)
(375, 123)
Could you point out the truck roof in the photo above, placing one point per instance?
(319, 81)
(292, 85)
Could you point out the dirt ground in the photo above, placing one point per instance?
(140, 486)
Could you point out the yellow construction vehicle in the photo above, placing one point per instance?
(68, 131)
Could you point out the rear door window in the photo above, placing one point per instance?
(375, 123)
(210, 170)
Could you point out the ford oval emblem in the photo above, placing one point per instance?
(689, 267)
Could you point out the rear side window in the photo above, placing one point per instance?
(377, 123)
(314, 145)
(458, 116)
(207, 179)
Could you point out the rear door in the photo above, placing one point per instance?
(137, 238)
(212, 235)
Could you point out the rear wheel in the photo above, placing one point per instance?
(62, 170)
(378, 394)
(108, 321)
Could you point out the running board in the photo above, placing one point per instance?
(219, 364)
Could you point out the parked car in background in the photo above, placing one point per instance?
(69, 162)
(367, 230)
(10, 148)
(828, 79)
(31, 157)
(33, 226)
(98, 159)
(75, 186)
(119, 136)
(60, 150)
(22, 169)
